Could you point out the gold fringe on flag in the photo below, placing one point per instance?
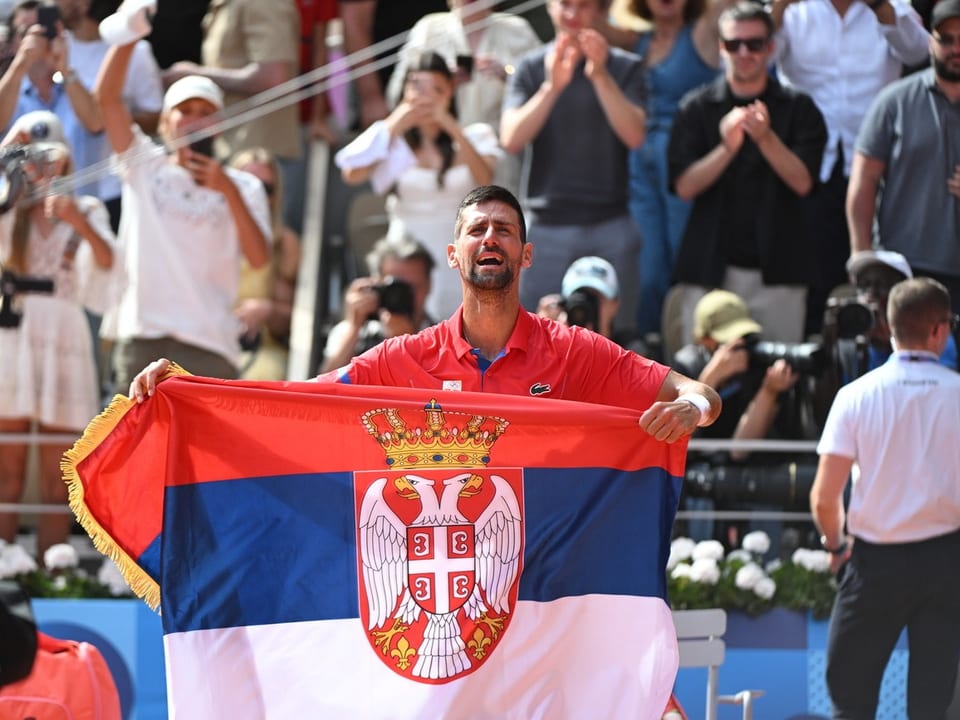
(96, 431)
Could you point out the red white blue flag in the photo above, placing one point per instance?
(345, 551)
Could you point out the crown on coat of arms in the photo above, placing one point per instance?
(447, 439)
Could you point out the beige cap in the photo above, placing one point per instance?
(723, 316)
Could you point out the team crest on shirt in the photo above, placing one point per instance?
(440, 541)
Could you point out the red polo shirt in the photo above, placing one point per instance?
(542, 358)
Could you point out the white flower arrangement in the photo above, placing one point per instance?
(61, 575)
(702, 575)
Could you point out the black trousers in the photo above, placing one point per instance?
(826, 217)
(883, 589)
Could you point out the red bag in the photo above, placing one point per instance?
(70, 681)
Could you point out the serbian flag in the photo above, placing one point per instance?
(366, 552)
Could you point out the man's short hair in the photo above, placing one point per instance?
(403, 248)
(746, 11)
(491, 193)
(915, 307)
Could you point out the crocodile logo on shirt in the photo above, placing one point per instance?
(539, 389)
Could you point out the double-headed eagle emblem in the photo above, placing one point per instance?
(440, 543)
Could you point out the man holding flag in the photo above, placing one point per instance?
(492, 345)
(509, 563)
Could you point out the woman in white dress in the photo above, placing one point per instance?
(47, 370)
(485, 47)
(427, 163)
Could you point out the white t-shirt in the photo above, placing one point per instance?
(142, 92)
(899, 423)
(182, 252)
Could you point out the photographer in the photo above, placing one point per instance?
(874, 273)
(720, 356)
(758, 401)
(590, 298)
(390, 302)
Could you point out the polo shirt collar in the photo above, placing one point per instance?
(518, 339)
(908, 355)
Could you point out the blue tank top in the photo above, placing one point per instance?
(673, 77)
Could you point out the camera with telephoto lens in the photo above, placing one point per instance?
(583, 309)
(809, 358)
(849, 318)
(395, 296)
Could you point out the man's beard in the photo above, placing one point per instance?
(944, 72)
(491, 282)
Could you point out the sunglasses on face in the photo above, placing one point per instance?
(754, 44)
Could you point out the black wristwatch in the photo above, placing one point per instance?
(838, 550)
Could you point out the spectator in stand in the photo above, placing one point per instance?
(367, 23)
(574, 108)
(250, 46)
(266, 293)
(483, 47)
(841, 53)
(142, 92)
(41, 77)
(905, 179)
(680, 53)
(47, 372)
(391, 301)
(746, 150)
(423, 157)
(187, 223)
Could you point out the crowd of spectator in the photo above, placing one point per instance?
(702, 147)
(698, 181)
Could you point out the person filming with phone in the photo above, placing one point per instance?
(187, 221)
(390, 302)
(40, 76)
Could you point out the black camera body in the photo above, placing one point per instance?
(395, 296)
(849, 318)
(809, 358)
(583, 309)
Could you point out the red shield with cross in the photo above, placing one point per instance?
(441, 568)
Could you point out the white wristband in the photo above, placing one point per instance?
(699, 402)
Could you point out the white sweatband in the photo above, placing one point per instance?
(700, 403)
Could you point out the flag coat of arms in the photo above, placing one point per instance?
(358, 552)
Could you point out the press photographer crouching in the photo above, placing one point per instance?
(390, 302)
(763, 398)
(590, 297)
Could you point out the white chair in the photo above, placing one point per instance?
(700, 640)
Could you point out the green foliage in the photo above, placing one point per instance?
(700, 576)
(69, 583)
